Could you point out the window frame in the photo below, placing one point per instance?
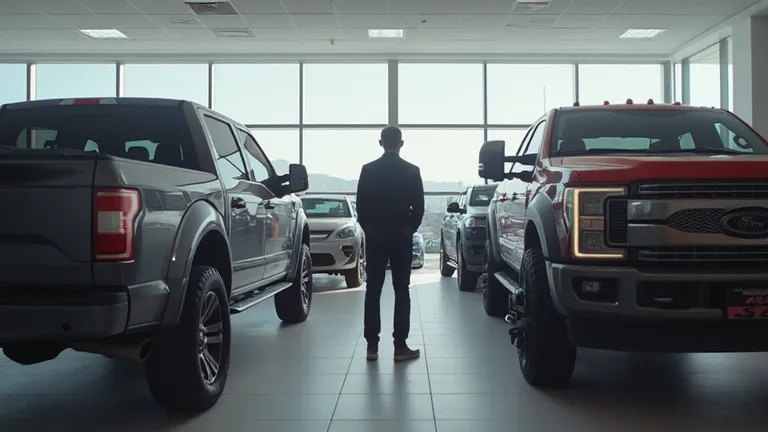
(261, 157)
(526, 143)
(206, 114)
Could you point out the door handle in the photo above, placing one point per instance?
(238, 203)
(268, 205)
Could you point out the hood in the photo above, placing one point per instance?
(625, 169)
(328, 224)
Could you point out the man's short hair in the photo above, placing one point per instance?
(391, 136)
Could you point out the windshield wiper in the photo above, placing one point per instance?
(706, 150)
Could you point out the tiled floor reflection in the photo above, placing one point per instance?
(313, 378)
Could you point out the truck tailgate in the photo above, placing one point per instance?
(46, 219)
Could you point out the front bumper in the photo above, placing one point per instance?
(660, 311)
(334, 255)
(473, 248)
(81, 313)
(417, 259)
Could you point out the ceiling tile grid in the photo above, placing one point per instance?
(330, 26)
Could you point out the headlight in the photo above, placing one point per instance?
(585, 216)
(472, 222)
(346, 232)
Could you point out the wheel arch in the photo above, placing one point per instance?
(300, 237)
(541, 226)
(201, 227)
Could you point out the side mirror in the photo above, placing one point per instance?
(525, 176)
(491, 162)
(453, 208)
(298, 179)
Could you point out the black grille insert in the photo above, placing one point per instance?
(617, 222)
(704, 190)
(697, 221)
(322, 259)
(704, 254)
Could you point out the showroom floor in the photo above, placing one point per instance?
(313, 378)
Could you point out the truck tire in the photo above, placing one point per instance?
(546, 354)
(355, 277)
(495, 296)
(187, 368)
(445, 269)
(293, 304)
(465, 279)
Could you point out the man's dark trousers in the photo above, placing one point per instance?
(397, 249)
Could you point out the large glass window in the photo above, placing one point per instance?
(280, 145)
(13, 83)
(730, 74)
(512, 138)
(346, 93)
(616, 83)
(56, 81)
(174, 81)
(678, 82)
(334, 157)
(521, 93)
(440, 93)
(257, 93)
(705, 78)
(447, 157)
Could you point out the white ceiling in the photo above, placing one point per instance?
(297, 28)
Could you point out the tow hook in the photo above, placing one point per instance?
(518, 326)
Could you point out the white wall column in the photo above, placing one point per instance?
(750, 67)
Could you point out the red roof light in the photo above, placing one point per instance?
(650, 101)
(606, 103)
(629, 102)
(677, 103)
(576, 104)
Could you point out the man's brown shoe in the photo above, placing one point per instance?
(372, 353)
(405, 353)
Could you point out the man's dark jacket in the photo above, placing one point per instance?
(390, 195)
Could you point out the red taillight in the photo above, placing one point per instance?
(87, 101)
(115, 213)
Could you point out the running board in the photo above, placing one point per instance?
(252, 299)
(508, 283)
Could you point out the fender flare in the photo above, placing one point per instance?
(541, 214)
(298, 231)
(492, 234)
(200, 218)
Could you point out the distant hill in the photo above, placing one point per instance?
(326, 183)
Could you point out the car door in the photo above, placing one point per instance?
(520, 190)
(246, 231)
(506, 201)
(279, 213)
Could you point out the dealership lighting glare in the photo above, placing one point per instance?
(641, 33)
(105, 34)
(386, 33)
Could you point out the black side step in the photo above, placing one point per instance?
(508, 283)
(253, 298)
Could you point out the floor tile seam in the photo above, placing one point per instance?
(344, 381)
(426, 365)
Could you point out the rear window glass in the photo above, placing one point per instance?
(323, 207)
(143, 133)
(481, 195)
(652, 132)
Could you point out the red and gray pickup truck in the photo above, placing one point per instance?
(632, 227)
(132, 228)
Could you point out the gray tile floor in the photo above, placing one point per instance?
(313, 378)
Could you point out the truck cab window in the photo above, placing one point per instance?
(230, 161)
(260, 169)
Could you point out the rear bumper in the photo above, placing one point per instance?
(73, 313)
(656, 312)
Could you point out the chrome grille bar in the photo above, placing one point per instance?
(705, 190)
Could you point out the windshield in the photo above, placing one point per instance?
(653, 132)
(326, 208)
(481, 195)
(146, 133)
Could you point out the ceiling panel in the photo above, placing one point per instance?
(63, 34)
(578, 21)
(269, 21)
(125, 21)
(177, 21)
(308, 6)
(82, 21)
(109, 6)
(361, 7)
(161, 7)
(223, 21)
(315, 21)
(660, 21)
(59, 6)
(593, 7)
(248, 7)
(685, 7)
(29, 22)
(19, 7)
(482, 21)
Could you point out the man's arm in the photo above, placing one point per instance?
(363, 200)
(417, 201)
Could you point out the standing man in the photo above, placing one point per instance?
(390, 207)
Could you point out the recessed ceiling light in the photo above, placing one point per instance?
(386, 33)
(642, 33)
(105, 34)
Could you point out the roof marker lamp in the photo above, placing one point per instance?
(585, 220)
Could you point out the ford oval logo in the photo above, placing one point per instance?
(746, 223)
